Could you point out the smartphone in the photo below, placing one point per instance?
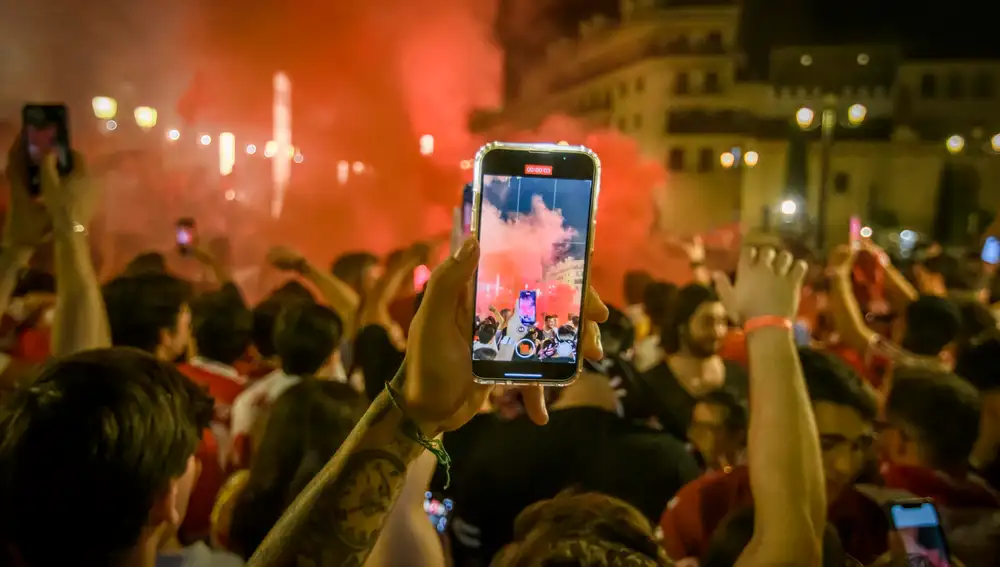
(467, 198)
(186, 235)
(420, 277)
(515, 186)
(991, 251)
(919, 526)
(46, 130)
(855, 232)
(527, 308)
(438, 509)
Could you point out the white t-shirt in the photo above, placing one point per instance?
(249, 405)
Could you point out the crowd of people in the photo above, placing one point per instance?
(766, 417)
(506, 335)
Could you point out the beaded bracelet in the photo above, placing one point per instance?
(410, 430)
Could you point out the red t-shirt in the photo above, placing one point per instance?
(198, 521)
(224, 383)
(951, 492)
(700, 507)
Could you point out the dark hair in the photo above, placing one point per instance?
(979, 324)
(146, 263)
(222, 326)
(687, 301)
(265, 315)
(635, 286)
(34, 281)
(932, 323)
(87, 449)
(350, 267)
(305, 337)
(949, 268)
(658, 301)
(140, 307)
(737, 413)
(978, 365)
(939, 410)
(830, 379)
(305, 427)
(293, 290)
(374, 354)
(617, 333)
(734, 534)
(486, 333)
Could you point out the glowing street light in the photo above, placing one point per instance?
(227, 152)
(270, 148)
(865, 232)
(955, 144)
(426, 145)
(727, 159)
(358, 167)
(789, 207)
(297, 158)
(804, 117)
(173, 135)
(251, 149)
(995, 143)
(343, 172)
(751, 158)
(111, 125)
(105, 107)
(856, 114)
(145, 117)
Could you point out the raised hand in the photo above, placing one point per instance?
(28, 221)
(284, 258)
(71, 199)
(767, 284)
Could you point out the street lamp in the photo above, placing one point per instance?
(995, 143)
(426, 145)
(105, 107)
(856, 114)
(145, 117)
(727, 160)
(804, 117)
(955, 144)
(789, 207)
(205, 139)
(270, 148)
(751, 158)
(174, 135)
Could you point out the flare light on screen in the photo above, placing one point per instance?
(227, 153)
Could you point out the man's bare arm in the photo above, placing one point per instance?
(338, 518)
(81, 320)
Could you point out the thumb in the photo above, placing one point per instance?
(450, 280)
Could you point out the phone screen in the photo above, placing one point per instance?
(920, 529)
(438, 509)
(991, 251)
(45, 132)
(186, 235)
(420, 277)
(855, 232)
(534, 220)
(467, 198)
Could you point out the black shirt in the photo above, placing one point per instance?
(517, 463)
(673, 405)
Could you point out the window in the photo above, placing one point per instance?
(928, 86)
(637, 121)
(682, 84)
(640, 84)
(713, 41)
(956, 86)
(712, 83)
(706, 159)
(675, 160)
(983, 86)
(841, 182)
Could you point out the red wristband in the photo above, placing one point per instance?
(763, 321)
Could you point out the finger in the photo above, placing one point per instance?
(783, 263)
(590, 342)
(49, 172)
(534, 404)
(723, 288)
(594, 308)
(798, 272)
(748, 255)
(766, 257)
(448, 280)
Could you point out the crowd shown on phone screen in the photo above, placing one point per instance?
(766, 412)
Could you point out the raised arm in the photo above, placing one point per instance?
(786, 474)
(898, 290)
(847, 317)
(81, 321)
(338, 295)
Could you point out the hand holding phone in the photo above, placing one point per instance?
(991, 251)
(45, 131)
(918, 530)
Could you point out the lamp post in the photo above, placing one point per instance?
(105, 107)
(145, 117)
(829, 118)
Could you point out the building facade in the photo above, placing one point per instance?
(670, 73)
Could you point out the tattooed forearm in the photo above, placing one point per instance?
(338, 518)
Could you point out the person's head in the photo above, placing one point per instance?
(698, 323)
(98, 458)
(584, 530)
(265, 316)
(978, 365)
(932, 419)
(357, 269)
(145, 264)
(617, 333)
(845, 410)
(149, 312)
(657, 302)
(718, 427)
(222, 326)
(305, 427)
(932, 324)
(551, 321)
(635, 286)
(306, 337)
(938, 273)
(486, 333)
(736, 530)
(292, 290)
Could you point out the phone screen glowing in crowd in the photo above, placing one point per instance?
(437, 511)
(991, 251)
(920, 529)
(184, 236)
(533, 239)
